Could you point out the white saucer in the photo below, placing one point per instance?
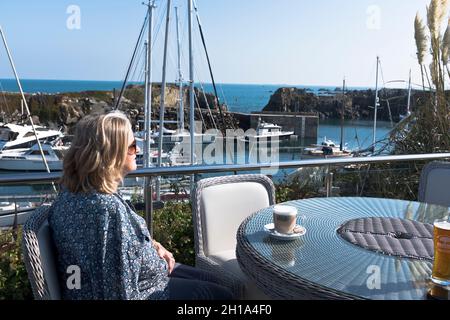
(270, 229)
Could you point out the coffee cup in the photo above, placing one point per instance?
(284, 219)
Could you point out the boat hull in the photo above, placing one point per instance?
(280, 137)
(321, 156)
(29, 165)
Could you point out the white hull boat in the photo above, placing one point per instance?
(268, 131)
(327, 149)
(31, 159)
(14, 136)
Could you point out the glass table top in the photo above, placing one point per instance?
(322, 257)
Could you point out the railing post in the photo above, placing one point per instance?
(148, 199)
(329, 182)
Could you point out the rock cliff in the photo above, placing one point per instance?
(357, 104)
(65, 109)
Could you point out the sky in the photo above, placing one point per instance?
(294, 42)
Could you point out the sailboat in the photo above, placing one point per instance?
(15, 136)
(34, 130)
(328, 148)
(408, 107)
(266, 130)
(377, 104)
(148, 136)
(30, 159)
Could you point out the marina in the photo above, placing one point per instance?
(265, 136)
(229, 141)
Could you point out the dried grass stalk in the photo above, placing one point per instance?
(446, 45)
(421, 38)
(436, 13)
(434, 74)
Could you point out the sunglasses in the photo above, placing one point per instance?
(132, 148)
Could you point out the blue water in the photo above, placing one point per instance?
(239, 97)
(244, 98)
(57, 86)
(358, 134)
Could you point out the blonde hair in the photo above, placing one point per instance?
(98, 153)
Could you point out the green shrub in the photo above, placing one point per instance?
(14, 284)
(173, 228)
(306, 183)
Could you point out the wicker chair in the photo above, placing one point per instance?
(434, 186)
(220, 204)
(40, 262)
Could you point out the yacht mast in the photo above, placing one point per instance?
(342, 116)
(130, 66)
(191, 90)
(24, 100)
(148, 86)
(180, 78)
(376, 109)
(408, 108)
(148, 181)
(224, 125)
(163, 98)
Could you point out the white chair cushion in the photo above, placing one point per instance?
(225, 213)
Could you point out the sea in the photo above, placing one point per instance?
(245, 98)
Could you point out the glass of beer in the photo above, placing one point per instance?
(441, 266)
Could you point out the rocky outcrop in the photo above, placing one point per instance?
(65, 110)
(355, 105)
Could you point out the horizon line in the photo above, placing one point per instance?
(209, 83)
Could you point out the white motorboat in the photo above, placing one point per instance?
(266, 130)
(12, 207)
(153, 156)
(7, 207)
(327, 149)
(171, 136)
(30, 159)
(166, 132)
(14, 136)
(174, 157)
(178, 156)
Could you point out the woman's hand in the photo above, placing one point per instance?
(165, 254)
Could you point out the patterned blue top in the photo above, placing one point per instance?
(110, 244)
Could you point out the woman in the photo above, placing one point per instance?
(99, 234)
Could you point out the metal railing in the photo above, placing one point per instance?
(36, 178)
